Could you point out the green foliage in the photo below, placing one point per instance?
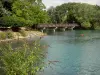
(30, 13)
(86, 24)
(1, 11)
(85, 15)
(9, 34)
(51, 13)
(6, 35)
(19, 13)
(25, 60)
(11, 21)
(3, 36)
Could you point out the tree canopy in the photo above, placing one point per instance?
(16, 13)
(86, 15)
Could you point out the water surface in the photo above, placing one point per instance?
(73, 53)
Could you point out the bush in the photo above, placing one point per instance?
(25, 60)
(86, 24)
(6, 35)
(22, 32)
(3, 36)
(12, 21)
(9, 34)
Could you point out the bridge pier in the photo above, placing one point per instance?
(64, 28)
(55, 29)
(72, 27)
(43, 29)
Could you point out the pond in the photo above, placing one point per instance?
(72, 53)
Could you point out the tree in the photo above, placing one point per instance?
(51, 13)
(23, 13)
(86, 15)
(1, 11)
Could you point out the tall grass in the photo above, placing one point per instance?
(25, 60)
(6, 35)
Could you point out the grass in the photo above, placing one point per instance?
(9, 34)
(3, 35)
(6, 35)
(22, 32)
(24, 60)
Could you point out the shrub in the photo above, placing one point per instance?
(22, 32)
(3, 35)
(6, 35)
(12, 21)
(25, 60)
(86, 24)
(9, 34)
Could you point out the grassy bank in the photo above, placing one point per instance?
(10, 35)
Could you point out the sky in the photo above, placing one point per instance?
(54, 3)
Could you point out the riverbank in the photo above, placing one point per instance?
(10, 35)
(21, 57)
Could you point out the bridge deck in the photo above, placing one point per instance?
(56, 25)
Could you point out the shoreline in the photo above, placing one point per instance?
(29, 34)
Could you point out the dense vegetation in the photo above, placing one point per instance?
(86, 15)
(24, 59)
(28, 58)
(18, 13)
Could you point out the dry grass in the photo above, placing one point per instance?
(5, 35)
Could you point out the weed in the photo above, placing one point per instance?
(25, 60)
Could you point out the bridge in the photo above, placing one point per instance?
(57, 26)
